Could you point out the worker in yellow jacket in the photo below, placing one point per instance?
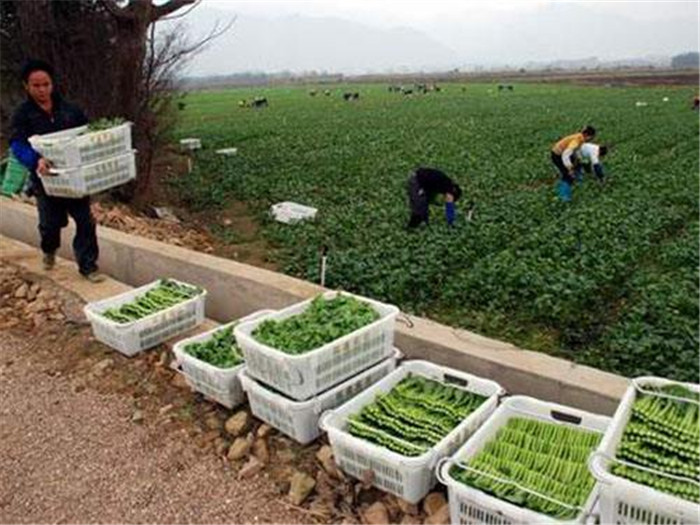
(563, 157)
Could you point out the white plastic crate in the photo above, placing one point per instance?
(623, 501)
(220, 384)
(471, 506)
(291, 212)
(305, 375)
(131, 338)
(77, 146)
(299, 419)
(410, 478)
(91, 178)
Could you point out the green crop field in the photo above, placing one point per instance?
(609, 280)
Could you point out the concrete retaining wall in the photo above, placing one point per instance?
(237, 289)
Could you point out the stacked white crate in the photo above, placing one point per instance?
(289, 391)
(623, 501)
(409, 478)
(86, 162)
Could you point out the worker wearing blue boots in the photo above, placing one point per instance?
(563, 156)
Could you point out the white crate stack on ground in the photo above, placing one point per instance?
(219, 384)
(90, 179)
(291, 212)
(77, 146)
(304, 375)
(299, 419)
(623, 501)
(131, 338)
(470, 506)
(410, 478)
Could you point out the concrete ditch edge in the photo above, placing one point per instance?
(237, 289)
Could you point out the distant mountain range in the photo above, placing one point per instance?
(303, 44)
(537, 40)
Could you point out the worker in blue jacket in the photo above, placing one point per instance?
(45, 111)
(424, 185)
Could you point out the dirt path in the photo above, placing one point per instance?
(73, 446)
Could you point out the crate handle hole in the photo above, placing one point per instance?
(447, 378)
(567, 418)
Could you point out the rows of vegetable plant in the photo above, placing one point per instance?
(166, 294)
(609, 280)
(659, 446)
(536, 465)
(414, 416)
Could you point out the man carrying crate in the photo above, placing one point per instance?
(43, 112)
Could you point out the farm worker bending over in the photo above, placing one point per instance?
(424, 185)
(589, 156)
(563, 158)
(45, 111)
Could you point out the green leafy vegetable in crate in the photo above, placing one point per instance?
(547, 458)
(663, 435)
(168, 293)
(220, 350)
(414, 416)
(105, 123)
(325, 320)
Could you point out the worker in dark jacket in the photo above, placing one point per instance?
(45, 111)
(424, 185)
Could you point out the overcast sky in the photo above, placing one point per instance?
(287, 34)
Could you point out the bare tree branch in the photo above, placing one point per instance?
(181, 15)
(162, 10)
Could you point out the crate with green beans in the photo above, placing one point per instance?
(649, 464)
(402, 426)
(309, 347)
(98, 141)
(212, 361)
(147, 316)
(527, 464)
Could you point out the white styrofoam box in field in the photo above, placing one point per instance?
(131, 338)
(471, 506)
(410, 478)
(299, 419)
(622, 500)
(190, 143)
(302, 376)
(291, 212)
(227, 151)
(89, 179)
(220, 384)
(77, 146)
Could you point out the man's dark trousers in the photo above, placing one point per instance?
(53, 215)
(418, 200)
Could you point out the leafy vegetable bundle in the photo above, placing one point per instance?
(414, 416)
(547, 458)
(220, 350)
(168, 293)
(105, 123)
(325, 320)
(663, 435)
